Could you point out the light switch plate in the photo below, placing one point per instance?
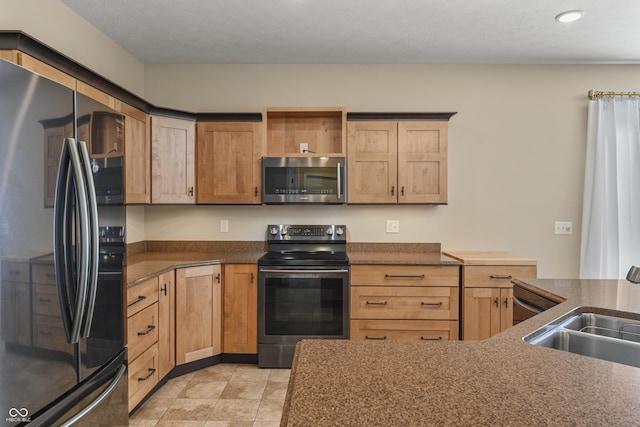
(224, 225)
(563, 227)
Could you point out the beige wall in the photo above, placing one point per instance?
(516, 158)
(516, 149)
(51, 22)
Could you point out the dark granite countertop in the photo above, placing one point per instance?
(160, 257)
(498, 381)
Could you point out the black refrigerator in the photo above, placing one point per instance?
(62, 348)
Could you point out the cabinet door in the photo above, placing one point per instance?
(372, 153)
(481, 313)
(228, 162)
(198, 313)
(240, 308)
(172, 160)
(506, 308)
(137, 156)
(16, 321)
(422, 162)
(166, 323)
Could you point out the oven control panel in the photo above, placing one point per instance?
(306, 232)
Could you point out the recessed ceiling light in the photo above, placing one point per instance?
(570, 16)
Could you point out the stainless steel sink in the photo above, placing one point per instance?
(611, 338)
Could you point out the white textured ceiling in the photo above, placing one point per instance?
(368, 31)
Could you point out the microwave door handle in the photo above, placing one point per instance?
(93, 238)
(339, 183)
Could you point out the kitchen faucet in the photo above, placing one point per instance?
(634, 274)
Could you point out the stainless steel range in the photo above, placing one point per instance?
(303, 290)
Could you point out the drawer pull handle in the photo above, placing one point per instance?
(44, 300)
(367, 337)
(51, 275)
(164, 290)
(395, 276)
(150, 329)
(151, 372)
(431, 304)
(500, 277)
(46, 333)
(376, 303)
(497, 302)
(138, 301)
(506, 302)
(431, 339)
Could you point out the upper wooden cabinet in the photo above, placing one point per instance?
(228, 162)
(137, 155)
(172, 160)
(304, 131)
(397, 161)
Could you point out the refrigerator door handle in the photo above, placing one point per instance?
(82, 240)
(99, 399)
(60, 236)
(93, 247)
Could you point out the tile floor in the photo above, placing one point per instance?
(225, 395)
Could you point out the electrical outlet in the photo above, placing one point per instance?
(563, 227)
(304, 147)
(224, 225)
(393, 226)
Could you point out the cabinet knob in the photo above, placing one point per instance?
(497, 302)
(191, 191)
(402, 191)
(255, 192)
(218, 277)
(252, 277)
(506, 303)
(393, 190)
(164, 289)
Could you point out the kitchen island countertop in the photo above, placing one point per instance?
(498, 381)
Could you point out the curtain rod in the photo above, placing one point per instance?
(595, 94)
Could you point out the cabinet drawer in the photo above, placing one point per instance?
(15, 271)
(396, 275)
(142, 296)
(142, 330)
(43, 273)
(143, 375)
(48, 332)
(497, 276)
(404, 330)
(45, 300)
(386, 302)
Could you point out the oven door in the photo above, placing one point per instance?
(299, 303)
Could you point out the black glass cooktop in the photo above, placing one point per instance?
(302, 258)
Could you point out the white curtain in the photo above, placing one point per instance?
(611, 206)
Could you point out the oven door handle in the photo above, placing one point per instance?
(270, 270)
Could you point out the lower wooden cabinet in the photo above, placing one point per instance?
(416, 303)
(487, 295)
(142, 339)
(198, 313)
(166, 323)
(487, 311)
(143, 375)
(240, 308)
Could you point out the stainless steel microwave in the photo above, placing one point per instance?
(287, 180)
